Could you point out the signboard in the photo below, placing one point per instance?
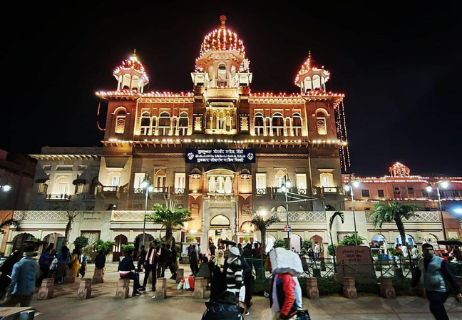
(220, 155)
(356, 262)
(287, 228)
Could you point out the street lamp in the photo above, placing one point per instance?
(286, 185)
(429, 189)
(349, 188)
(146, 184)
(6, 188)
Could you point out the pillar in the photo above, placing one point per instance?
(386, 288)
(349, 288)
(312, 290)
(46, 289)
(161, 288)
(200, 286)
(123, 287)
(84, 291)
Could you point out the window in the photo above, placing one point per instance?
(301, 183)
(424, 193)
(42, 188)
(258, 124)
(381, 194)
(280, 177)
(120, 122)
(222, 72)
(327, 179)
(164, 124)
(261, 183)
(365, 193)
(180, 183)
(278, 124)
(396, 191)
(297, 124)
(183, 124)
(321, 123)
(139, 177)
(62, 185)
(410, 190)
(115, 181)
(160, 182)
(145, 124)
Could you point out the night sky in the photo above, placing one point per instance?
(399, 67)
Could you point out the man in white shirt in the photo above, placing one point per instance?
(317, 251)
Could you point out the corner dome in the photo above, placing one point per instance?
(133, 66)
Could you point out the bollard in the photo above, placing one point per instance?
(70, 277)
(46, 289)
(161, 289)
(84, 291)
(349, 288)
(98, 276)
(312, 290)
(123, 287)
(179, 275)
(200, 286)
(386, 288)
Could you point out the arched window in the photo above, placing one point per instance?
(278, 124)
(183, 124)
(145, 123)
(321, 123)
(297, 124)
(279, 177)
(62, 186)
(164, 124)
(258, 124)
(222, 75)
(160, 181)
(120, 122)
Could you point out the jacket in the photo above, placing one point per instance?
(234, 275)
(25, 272)
(432, 277)
(125, 266)
(282, 298)
(100, 261)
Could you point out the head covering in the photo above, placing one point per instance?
(234, 251)
(427, 245)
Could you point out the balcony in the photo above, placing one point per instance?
(58, 197)
(331, 190)
(109, 192)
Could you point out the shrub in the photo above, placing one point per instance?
(328, 286)
(402, 285)
(190, 239)
(279, 243)
(104, 245)
(351, 240)
(331, 249)
(306, 244)
(81, 242)
(126, 247)
(261, 285)
(368, 287)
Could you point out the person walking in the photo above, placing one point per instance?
(317, 251)
(141, 259)
(25, 273)
(7, 270)
(234, 279)
(63, 259)
(193, 260)
(74, 263)
(127, 270)
(151, 264)
(433, 272)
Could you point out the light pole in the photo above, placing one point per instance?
(429, 189)
(146, 184)
(285, 188)
(350, 187)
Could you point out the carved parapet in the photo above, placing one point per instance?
(84, 291)
(200, 286)
(179, 275)
(46, 289)
(349, 288)
(161, 288)
(123, 287)
(312, 290)
(70, 277)
(386, 288)
(98, 276)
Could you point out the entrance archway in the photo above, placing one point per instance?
(148, 238)
(53, 238)
(295, 242)
(270, 240)
(220, 229)
(19, 241)
(409, 240)
(319, 240)
(432, 239)
(379, 244)
(117, 249)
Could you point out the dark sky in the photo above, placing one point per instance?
(399, 67)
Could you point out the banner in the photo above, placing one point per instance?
(220, 155)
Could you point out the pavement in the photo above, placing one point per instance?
(180, 304)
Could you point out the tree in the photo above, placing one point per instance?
(70, 218)
(169, 217)
(262, 224)
(394, 211)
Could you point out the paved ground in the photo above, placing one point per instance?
(180, 305)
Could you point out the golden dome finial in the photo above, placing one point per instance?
(223, 21)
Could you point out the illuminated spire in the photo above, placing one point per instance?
(223, 21)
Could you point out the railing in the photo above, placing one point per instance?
(58, 197)
(420, 216)
(179, 190)
(330, 189)
(159, 190)
(294, 216)
(41, 215)
(138, 190)
(127, 216)
(301, 191)
(109, 189)
(261, 190)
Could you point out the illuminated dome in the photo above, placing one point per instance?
(222, 39)
(131, 74)
(399, 170)
(317, 77)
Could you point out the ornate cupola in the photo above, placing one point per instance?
(221, 62)
(310, 77)
(131, 74)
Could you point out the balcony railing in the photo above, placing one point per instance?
(179, 190)
(109, 189)
(330, 189)
(58, 196)
(261, 190)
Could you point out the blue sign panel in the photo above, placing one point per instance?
(220, 155)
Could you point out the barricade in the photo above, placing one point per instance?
(84, 291)
(200, 287)
(312, 290)
(46, 289)
(161, 288)
(349, 288)
(123, 288)
(98, 276)
(386, 288)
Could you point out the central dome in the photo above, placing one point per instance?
(222, 39)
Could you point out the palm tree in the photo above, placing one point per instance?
(394, 211)
(9, 222)
(169, 217)
(262, 224)
(70, 218)
(331, 222)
